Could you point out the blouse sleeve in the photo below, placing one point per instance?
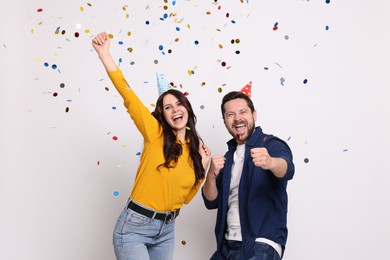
(145, 122)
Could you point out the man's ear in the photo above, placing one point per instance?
(254, 115)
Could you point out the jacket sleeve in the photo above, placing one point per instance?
(278, 148)
(213, 204)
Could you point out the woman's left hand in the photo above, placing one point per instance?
(205, 152)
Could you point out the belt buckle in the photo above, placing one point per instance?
(169, 216)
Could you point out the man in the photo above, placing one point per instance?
(248, 186)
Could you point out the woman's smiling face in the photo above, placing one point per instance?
(174, 112)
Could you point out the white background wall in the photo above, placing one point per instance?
(60, 171)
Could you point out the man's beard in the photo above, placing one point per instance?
(250, 129)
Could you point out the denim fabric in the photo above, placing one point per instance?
(137, 237)
(231, 251)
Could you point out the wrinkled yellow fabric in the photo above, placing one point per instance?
(160, 189)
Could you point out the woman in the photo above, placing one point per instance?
(172, 167)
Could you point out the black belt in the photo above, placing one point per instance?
(166, 217)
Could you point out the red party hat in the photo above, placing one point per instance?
(247, 89)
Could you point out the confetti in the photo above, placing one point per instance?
(116, 193)
(282, 80)
(306, 160)
(275, 26)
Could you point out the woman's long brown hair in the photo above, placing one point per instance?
(172, 149)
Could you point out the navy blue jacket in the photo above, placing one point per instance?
(262, 196)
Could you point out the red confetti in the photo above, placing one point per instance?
(76, 34)
(114, 138)
(55, 94)
(39, 10)
(185, 94)
(223, 64)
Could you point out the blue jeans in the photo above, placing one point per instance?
(137, 237)
(262, 251)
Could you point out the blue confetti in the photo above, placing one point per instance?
(282, 80)
(116, 193)
(160, 47)
(304, 81)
